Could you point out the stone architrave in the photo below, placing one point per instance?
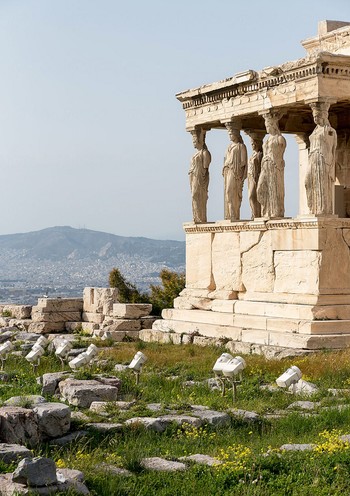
(199, 176)
(320, 175)
(270, 191)
(234, 172)
(254, 169)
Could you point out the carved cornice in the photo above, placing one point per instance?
(264, 225)
(327, 65)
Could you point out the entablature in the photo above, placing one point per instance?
(289, 87)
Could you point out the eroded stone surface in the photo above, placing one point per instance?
(131, 310)
(83, 393)
(13, 452)
(162, 465)
(19, 426)
(53, 418)
(297, 447)
(35, 472)
(202, 460)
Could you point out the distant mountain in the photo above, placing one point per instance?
(60, 243)
(61, 261)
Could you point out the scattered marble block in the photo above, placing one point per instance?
(113, 469)
(123, 325)
(18, 311)
(162, 465)
(131, 310)
(214, 418)
(41, 316)
(19, 426)
(304, 387)
(46, 327)
(7, 333)
(82, 393)
(304, 405)
(13, 452)
(202, 460)
(245, 415)
(297, 447)
(51, 380)
(95, 318)
(105, 427)
(100, 300)
(60, 305)
(150, 423)
(69, 473)
(181, 420)
(68, 439)
(53, 418)
(35, 472)
(25, 401)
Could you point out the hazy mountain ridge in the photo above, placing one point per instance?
(61, 261)
(63, 242)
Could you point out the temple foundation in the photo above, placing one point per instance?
(281, 283)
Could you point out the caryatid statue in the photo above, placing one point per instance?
(254, 168)
(270, 190)
(234, 172)
(199, 176)
(320, 174)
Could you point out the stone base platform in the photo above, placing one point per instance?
(283, 283)
(255, 329)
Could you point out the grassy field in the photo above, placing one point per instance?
(252, 464)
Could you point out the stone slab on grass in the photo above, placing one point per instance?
(82, 393)
(69, 473)
(151, 423)
(297, 447)
(214, 418)
(105, 426)
(162, 465)
(29, 400)
(113, 469)
(202, 460)
(181, 420)
(13, 452)
(68, 439)
(304, 405)
(10, 488)
(35, 472)
(245, 415)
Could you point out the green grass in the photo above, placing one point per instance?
(244, 446)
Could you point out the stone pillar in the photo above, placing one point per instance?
(270, 191)
(234, 171)
(302, 140)
(320, 174)
(199, 176)
(254, 169)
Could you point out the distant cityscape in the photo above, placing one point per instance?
(24, 282)
(25, 276)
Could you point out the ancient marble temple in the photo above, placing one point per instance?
(272, 281)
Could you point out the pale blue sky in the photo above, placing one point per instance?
(91, 134)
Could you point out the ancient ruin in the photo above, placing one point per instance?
(272, 280)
